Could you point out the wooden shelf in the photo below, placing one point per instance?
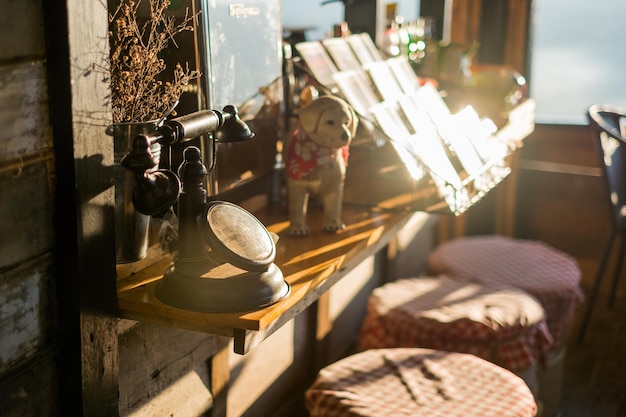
(311, 265)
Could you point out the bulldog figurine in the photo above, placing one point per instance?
(316, 161)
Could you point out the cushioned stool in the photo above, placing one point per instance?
(419, 383)
(550, 275)
(504, 325)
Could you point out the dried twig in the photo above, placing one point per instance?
(138, 91)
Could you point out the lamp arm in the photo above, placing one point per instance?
(184, 128)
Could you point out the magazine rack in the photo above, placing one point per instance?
(422, 157)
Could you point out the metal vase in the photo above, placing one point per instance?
(131, 227)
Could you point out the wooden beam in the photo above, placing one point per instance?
(516, 44)
(508, 21)
(77, 35)
(99, 347)
(465, 21)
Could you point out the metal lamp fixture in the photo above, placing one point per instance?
(225, 260)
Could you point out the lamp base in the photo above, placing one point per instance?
(223, 289)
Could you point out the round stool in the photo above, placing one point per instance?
(419, 383)
(505, 326)
(550, 275)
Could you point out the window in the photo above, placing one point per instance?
(578, 58)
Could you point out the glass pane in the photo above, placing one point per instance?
(237, 50)
(240, 232)
(578, 58)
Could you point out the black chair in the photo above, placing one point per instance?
(605, 122)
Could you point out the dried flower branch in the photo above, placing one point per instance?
(138, 91)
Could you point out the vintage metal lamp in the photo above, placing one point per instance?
(225, 260)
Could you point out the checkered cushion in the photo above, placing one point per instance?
(419, 383)
(504, 325)
(550, 275)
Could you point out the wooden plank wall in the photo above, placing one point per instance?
(28, 318)
(562, 197)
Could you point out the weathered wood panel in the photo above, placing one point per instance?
(26, 213)
(29, 373)
(188, 396)
(26, 311)
(98, 363)
(22, 22)
(155, 360)
(32, 390)
(78, 38)
(23, 109)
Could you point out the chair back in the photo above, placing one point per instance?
(607, 124)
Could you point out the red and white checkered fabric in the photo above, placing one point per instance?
(504, 325)
(549, 274)
(418, 383)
